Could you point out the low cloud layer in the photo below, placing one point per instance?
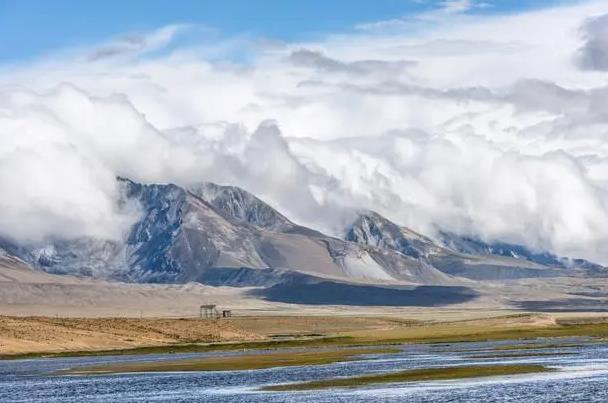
(60, 153)
(477, 125)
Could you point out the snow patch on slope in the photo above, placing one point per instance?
(364, 267)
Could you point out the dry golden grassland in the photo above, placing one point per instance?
(22, 337)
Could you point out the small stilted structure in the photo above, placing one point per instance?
(209, 311)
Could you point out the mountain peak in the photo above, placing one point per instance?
(236, 204)
(371, 228)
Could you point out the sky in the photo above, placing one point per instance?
(485, 118)
(31, 28)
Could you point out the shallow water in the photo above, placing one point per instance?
(580, 377)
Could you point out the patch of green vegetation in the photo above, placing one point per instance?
(519, 355)
(468, 333)
(536, 346)
(233, 363)
(414, 375)
(517, 347)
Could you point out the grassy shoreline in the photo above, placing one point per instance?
(413, 375)
(233, 363)
(516, 355)
(422, 334)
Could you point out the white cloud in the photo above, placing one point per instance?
(593, 55)
(481, 125)
(135, 44)
(60, 153)
(456, 6)
(441, 12)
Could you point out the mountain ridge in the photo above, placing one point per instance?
(463, 256)
(183, 233)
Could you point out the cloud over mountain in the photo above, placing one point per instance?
(478, 125)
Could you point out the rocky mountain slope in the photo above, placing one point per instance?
(370, 228)
(182, 233)
(463, 256)
(200, 233)
(473, 246)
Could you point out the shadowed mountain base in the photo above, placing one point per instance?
(335, 293)
(298, 288)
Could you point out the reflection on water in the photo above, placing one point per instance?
(580, 377)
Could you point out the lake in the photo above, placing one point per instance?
(581, 375)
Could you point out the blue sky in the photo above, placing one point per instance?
(30, 28)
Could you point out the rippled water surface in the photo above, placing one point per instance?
(579, 377)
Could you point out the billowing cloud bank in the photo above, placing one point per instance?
(495, 127)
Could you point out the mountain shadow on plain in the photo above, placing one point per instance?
(298, 288)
